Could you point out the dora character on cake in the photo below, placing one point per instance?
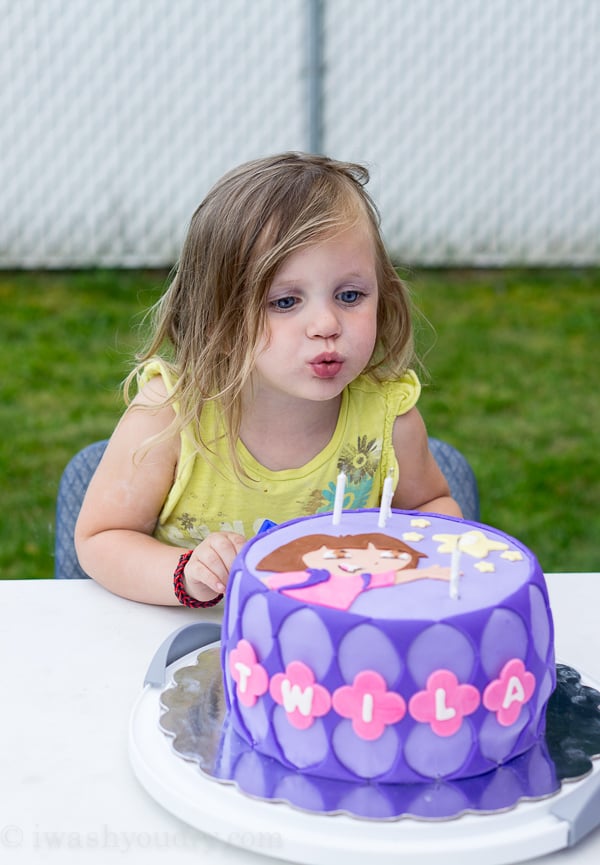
(333, 571)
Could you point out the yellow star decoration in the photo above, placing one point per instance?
(420, 523)
(512, 556)
(448, 542)
(412, 536)
(485, 567)
(474, 543)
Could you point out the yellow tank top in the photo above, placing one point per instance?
(208, 496)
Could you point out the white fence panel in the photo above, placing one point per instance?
(117, 116)
(479, 120)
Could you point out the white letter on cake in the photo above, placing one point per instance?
(367, 708)
(442, 711)
(244, 672)
(295, 698)
(514, 691)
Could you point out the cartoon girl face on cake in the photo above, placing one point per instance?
(333, 571)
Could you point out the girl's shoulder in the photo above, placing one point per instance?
(152, 392)
(156, 383)
(399, 394)
(160, 373)
(154, 388)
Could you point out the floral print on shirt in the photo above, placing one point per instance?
(359, 463)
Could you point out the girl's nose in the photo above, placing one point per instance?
(324, 323)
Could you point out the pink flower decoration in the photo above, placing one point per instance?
(302, 699)
(444, 703)
(251, 678)
(369, 704)
(506, 695)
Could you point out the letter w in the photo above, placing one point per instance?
(295, 698)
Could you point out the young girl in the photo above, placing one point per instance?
(281, 355)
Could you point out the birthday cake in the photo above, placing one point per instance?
(421, 649)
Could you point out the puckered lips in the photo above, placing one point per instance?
(327, 365)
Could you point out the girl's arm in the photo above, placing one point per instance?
(113, 535)
(421, 485)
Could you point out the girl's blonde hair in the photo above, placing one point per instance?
(213, 314)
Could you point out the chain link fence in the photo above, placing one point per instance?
(479, 120)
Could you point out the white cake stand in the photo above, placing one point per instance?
(277, 829)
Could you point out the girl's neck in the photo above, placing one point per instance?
(287, 437)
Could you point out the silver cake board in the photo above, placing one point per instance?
(276, 829)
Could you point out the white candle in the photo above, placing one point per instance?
(385, 509)
(338, 504)
(455, 571)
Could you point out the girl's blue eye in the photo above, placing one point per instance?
(350, 295)
(283, 303)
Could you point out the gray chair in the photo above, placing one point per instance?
(71, 490)
(460, 476)
(77, 475)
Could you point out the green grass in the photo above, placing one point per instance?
(514, 385)
(66, 343)
(512, 359)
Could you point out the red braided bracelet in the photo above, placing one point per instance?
(180, 592)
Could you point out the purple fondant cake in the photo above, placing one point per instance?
(422, 649)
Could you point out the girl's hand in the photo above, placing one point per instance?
(210, 563)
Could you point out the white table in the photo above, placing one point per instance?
(74, 659)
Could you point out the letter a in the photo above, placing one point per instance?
(514, 692)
